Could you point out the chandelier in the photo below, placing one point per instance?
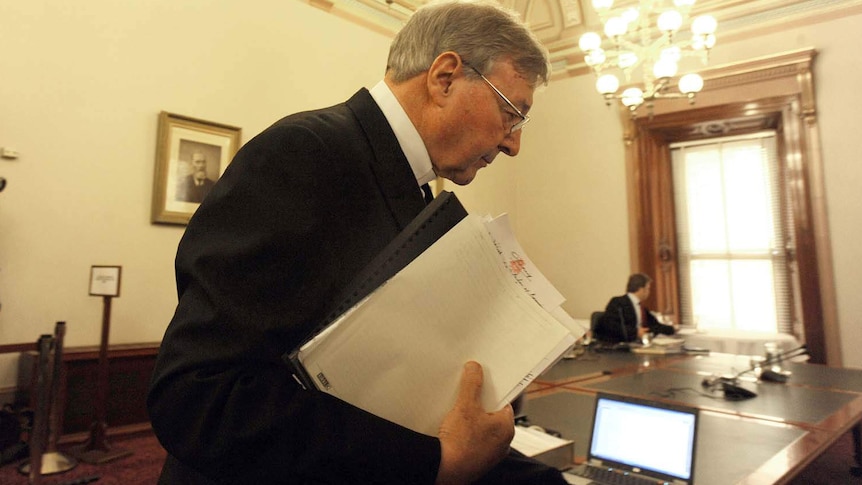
(633, 44)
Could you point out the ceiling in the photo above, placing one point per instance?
(559, 23)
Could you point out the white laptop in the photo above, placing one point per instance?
(639, 441)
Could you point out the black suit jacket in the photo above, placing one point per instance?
(619, 323)
(300, 210)
(188, 191)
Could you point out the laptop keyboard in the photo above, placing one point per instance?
(609, 477)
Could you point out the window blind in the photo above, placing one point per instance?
(732, 232)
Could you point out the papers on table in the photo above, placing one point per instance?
(546, 448)
(661, 344)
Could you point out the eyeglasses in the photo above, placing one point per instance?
(524, 118)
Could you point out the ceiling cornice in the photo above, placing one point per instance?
(559, 23)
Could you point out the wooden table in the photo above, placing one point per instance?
(764, 440)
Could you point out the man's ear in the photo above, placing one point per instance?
(443, 71)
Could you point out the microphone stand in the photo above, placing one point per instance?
(782, 356)
(778, 358)
(769, 368)
(772, 372)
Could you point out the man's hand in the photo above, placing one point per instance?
(472, 441)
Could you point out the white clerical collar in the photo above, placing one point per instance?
(409, 139)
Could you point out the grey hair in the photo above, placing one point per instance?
(481, 32)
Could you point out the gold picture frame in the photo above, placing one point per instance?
(191, 155)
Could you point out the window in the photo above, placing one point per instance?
(732, 234)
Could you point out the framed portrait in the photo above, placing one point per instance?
(191, 155)
(105, 280)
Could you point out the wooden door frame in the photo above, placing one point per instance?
(775, 92)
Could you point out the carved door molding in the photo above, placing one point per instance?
(777, 93)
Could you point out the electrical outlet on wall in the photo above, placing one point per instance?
(8, 153)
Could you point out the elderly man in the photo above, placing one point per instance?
(303, 207)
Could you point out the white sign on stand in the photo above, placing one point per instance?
(105, 280)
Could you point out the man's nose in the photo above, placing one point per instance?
(511, 144)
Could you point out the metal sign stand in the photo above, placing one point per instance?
(105, 282)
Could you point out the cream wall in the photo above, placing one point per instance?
(572, 211)
(571, 198)
(81, 86)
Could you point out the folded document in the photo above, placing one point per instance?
(399, 353)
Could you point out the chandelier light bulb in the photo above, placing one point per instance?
(701, 42)
(665, 68)
(633, 97)
(704, 25)
(632, 47)
(603, 4)
(615, 27)
(690, 83)
(627, 59)
(631, 14)
(590, 41)
(607, 84)
(596, 57)
(670, 21)
(710, 41)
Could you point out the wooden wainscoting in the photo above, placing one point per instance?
(130, 367)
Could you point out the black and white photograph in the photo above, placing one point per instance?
(191, 156)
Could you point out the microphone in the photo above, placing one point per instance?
(768, 373)
(786, 355)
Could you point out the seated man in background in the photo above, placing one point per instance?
(626, 318)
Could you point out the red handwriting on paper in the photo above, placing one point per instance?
(517, 265)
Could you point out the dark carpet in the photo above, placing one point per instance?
(142, 467)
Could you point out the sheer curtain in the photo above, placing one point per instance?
(731, 234)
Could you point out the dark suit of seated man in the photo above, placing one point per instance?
(626, 318)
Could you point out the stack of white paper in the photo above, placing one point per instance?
(550, 450)
(400, 352)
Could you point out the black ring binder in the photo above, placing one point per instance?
(435, 220)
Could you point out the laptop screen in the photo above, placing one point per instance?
(654, 438)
